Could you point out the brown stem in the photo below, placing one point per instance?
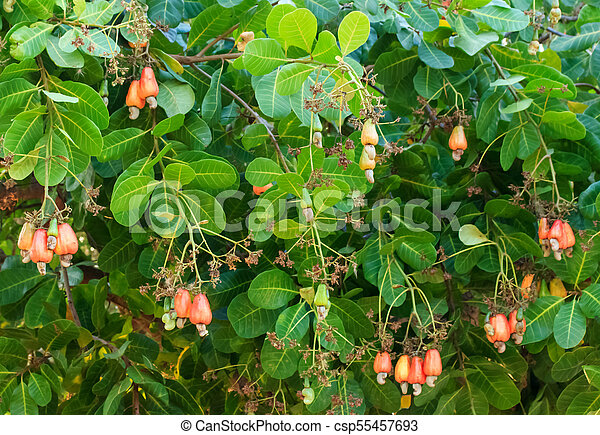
(588, 85)
(136, 399)
(190, 60)
(217, 39)
(70, 296)
(256, 116)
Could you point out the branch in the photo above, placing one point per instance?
(70, 296)
(588, 85)
(190, 60)
(255, 114)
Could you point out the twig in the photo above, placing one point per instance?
(190, 60)
(136, 399)
(432, 122)
(258, 118)
(217, 39)
(588, 85)
(70, 296)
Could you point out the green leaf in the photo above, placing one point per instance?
(390, 281)
(592, 373)
(324, 10)
(16, 94)
(262, 171)
(585, 403)
(299, 29)
(248, 320)
(166, 12)
(195, 132)
(209, 23)
(81, 132)
(470, 235)
(15, 283)
(130, 199)
(113, 400)
(279, 363)
(517, 107)
(43, 306)
(590, 301)
(540, 318)
(202, 207)
(56, 170)
(255, 135)
(119, 142)
(262, 56)
(396, 65)
(41, 8)
(21, 403)
(467, 40)
(272, 289)
(421, 17)
(39, 389)
(274, 18)
(13, 354)
(271, 103)
(569, 325)
(99, 308)
(168, 125)
(116, 253)
(326, 48)
(492, 380)
(570, 363)
(470, 400)
(590, 33)
(180, 173)
(89, 102)
(502, 19)
(213, 174)
(293, 323)
(175, 97)
(563, 125)
(56, 335)
(211, 104)
(353, 32)
(141, 348)
(434, 57)
(291, 77)
(588, 201)
(62, 58)
(385, 397)
(353, 318)
(28, 42)
(417, 255)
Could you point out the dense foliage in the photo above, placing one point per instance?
(246, 179)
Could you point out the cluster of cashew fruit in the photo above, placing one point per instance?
(141, 91)
(457, 142)
(40, 245)
(499, 329)
(556, 239)
(415, 371)
(369, 138)
(181, 307)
